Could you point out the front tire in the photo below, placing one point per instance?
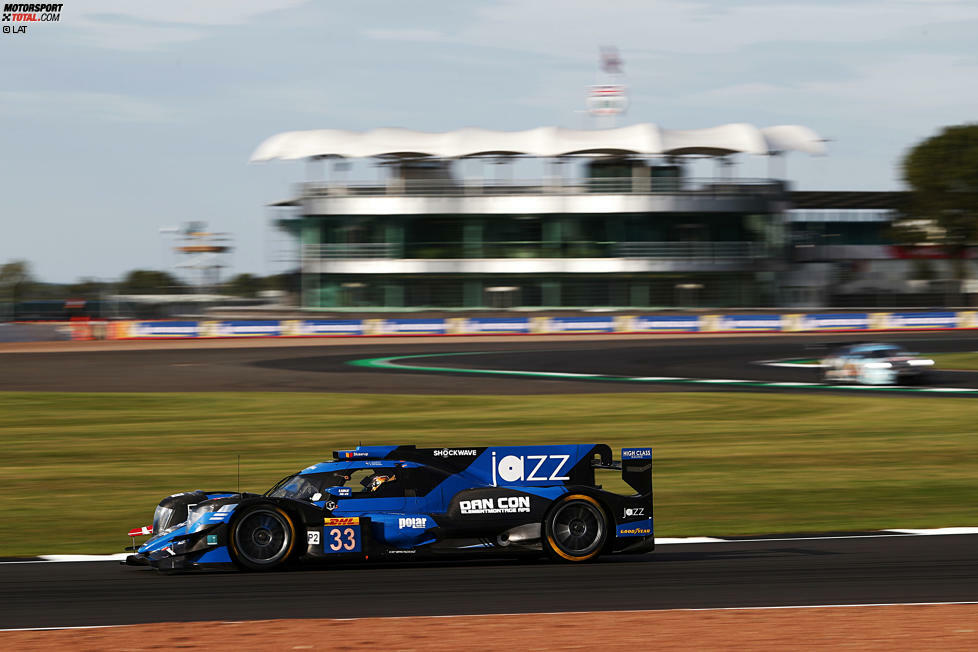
(575, 529)
(262, 537)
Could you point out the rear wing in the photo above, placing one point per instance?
(636, 468)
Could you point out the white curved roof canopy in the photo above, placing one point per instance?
(641, 139)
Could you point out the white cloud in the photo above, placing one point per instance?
(188, 12)
(909, 82)
(575, 28)
(127, 25)
(887, 89)
(107, 107)
(413, 35)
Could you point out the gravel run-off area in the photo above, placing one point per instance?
(897, 627)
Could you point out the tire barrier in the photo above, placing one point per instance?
(720, 323)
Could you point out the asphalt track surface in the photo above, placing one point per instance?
(870, 570)
(892, 569)
(327, 368)
(22, 332)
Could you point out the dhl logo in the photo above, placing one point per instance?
(355, 520)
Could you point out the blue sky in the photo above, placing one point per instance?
(123, 118)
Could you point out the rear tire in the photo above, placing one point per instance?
(575, 529)
(262, 537)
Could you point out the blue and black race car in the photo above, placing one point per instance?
(385, 502)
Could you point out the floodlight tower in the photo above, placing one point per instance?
(204, 253)
(608, 98)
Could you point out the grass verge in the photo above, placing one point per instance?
(962, 361)
(79, 470)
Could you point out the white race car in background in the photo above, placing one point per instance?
(875, 364)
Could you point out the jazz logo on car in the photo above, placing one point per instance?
(529, 468)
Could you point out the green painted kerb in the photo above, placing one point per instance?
(396, 362)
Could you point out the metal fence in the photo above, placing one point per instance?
(353, 250)
(555, 186)
(689, 250)
(535, 249)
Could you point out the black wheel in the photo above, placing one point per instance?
(575, 529)
(262, 538)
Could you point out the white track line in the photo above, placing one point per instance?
(658, 378)
(54, 629)
(667, 541)
(651, 611)
(939, 531)
(121, 556)
(723, 380)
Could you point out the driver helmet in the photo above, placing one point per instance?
(375, 481)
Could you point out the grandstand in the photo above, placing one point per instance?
(617, 220)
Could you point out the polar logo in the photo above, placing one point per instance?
(529, 468)
(501, 505)
(455, 452)
(634, 511)
(413, 523)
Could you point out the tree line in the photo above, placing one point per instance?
(18, 284)
(942, 206)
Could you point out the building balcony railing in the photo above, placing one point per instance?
(703, 251)
(353, 250)
(711, 187)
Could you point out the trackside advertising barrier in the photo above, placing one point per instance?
(755, 323)
(662, 324)
(491, 325)
(407, 327)
(308, 327)
(250, 328)
(918, 320)
(164, 329)
(581, 325)
(853, 321)
(797, 323)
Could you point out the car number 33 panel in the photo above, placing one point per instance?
(339, 535)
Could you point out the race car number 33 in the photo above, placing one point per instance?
(341, 535)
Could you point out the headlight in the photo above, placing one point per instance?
(197, 515)
(878, 365)
(921, 363)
